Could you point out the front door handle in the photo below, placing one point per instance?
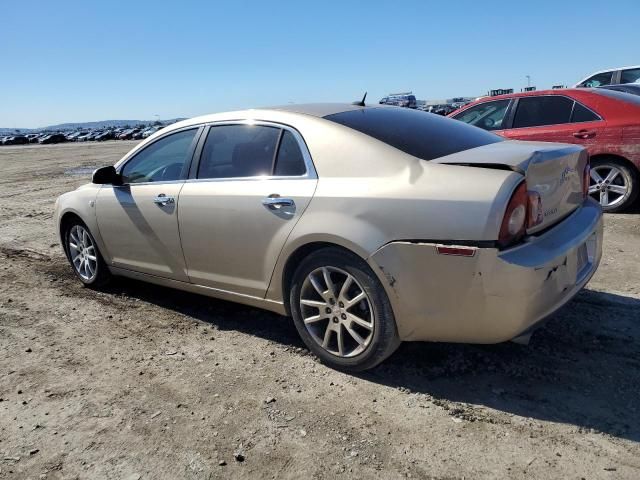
(584, 134)
(274, 203)
(163, 200)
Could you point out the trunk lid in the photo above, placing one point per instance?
(554, 170)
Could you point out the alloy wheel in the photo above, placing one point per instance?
(337, 311)
(608, 185)
(83, 253)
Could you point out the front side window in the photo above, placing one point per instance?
(488, 115)
(162, 161)
(539, 111)
(598, 80)
(232, 151)
(631, 75)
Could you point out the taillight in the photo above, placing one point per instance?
(523, 211)
(514, 222)
(586, 179)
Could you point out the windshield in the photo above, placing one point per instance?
(421, 134)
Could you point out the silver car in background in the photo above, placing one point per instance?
(368, 225)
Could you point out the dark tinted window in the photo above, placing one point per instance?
(631, 75)
(537, 111)
(162, 161)
(488, 115)
(582, 114)
(597, 80)
(290, 161)
(238, 151)
(423, 135)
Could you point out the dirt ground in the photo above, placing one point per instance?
(142, 382)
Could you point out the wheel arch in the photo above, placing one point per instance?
(634, 172)
(67, 219)
(301, 252)
(619, 158)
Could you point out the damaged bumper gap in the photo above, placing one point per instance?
(489, 296)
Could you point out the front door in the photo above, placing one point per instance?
(252, 185)
(138, 220)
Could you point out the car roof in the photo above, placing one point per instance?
(553, 91)
(612, 70)
(317, 109)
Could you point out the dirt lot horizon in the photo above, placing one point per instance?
(142, 382)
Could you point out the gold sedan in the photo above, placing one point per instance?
(368, 225)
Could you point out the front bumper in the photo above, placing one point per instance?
(495, 295)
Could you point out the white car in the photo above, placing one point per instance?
(612, 76)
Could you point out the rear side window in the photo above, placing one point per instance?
(538, 111)
(238, 151)
(289, 161)
(582, 114)
(631, 75)
(421, 134)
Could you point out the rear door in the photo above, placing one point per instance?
(250, 187)
(554, 118)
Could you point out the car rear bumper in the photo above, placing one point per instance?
(493, 296)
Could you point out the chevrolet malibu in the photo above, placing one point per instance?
(369, 225)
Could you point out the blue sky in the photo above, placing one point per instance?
(68, 61)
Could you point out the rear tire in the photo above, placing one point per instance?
(613, 184)
(83, 255)
(341, 311)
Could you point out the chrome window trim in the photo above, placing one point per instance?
(306, 155)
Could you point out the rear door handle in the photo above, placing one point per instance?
(584, 134)
(164, 200)
(275, 203)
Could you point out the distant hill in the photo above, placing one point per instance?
(87, 125)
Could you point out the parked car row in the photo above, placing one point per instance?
(406, 100)
(441, 109)
(97, 135)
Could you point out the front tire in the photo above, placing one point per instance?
(342, 312)
(613, 184)
(83, 254)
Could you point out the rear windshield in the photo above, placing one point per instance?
(622, 96)
(424, 135)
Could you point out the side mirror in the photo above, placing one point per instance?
(106, 175)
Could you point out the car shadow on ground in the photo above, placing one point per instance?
(581, 368)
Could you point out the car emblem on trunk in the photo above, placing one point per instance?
(565, 174)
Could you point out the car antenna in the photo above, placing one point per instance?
(361, 102)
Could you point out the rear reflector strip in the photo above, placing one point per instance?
(458, 251)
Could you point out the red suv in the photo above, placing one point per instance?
(606, 122)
